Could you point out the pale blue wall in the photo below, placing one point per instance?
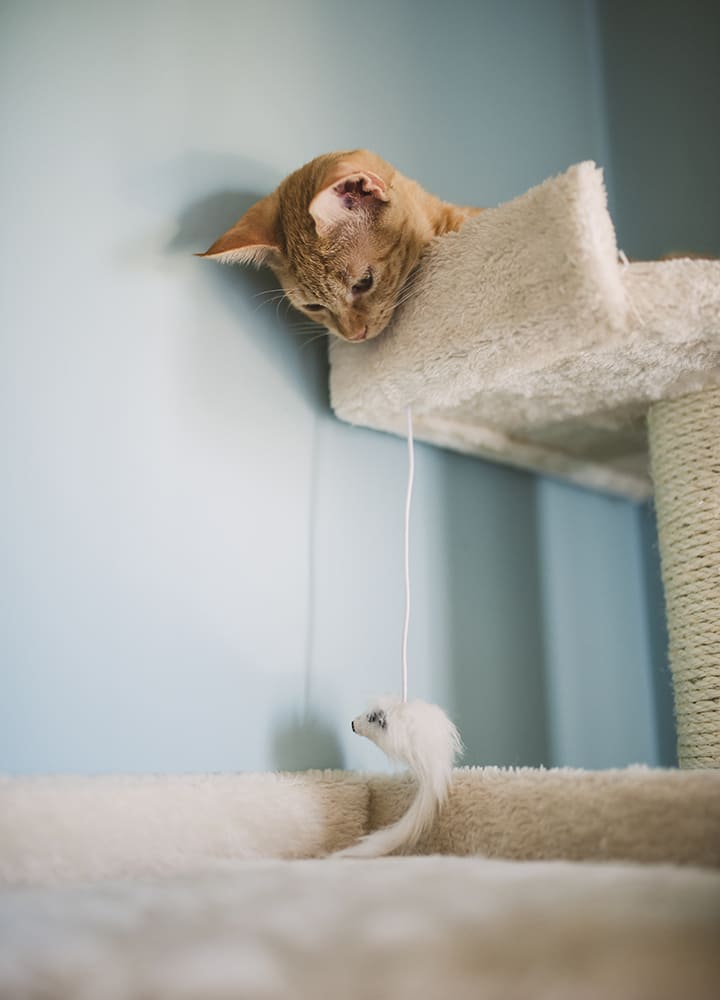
(598, 648)
(201, 567)
(661, 69)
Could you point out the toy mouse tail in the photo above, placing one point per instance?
(405, 833)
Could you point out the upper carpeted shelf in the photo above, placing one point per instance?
(526, 340)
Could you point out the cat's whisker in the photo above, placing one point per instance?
(407, 291)
(288, 307)
(286, 314)
(270, 295)
(269, 302)
(306, 328)
(277, 297)
(268, 291)
(311, 340)
(405, 298)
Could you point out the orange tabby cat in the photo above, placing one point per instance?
(342, 233)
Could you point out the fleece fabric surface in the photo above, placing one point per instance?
(76, 828)
(194, 886)
(401, 928)
(630, 814)
(72, 829)
(524, 339)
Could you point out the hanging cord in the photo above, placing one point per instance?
(411, 476)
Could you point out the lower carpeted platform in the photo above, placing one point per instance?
(396, 928)
(213, 887)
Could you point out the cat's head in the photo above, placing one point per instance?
(341, 238)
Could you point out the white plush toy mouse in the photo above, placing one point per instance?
(420, 735)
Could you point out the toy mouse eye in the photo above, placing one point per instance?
(363, 285)
(313, 307)
(372, 717)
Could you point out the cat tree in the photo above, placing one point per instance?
(529, 340)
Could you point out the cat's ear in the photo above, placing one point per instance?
(253, 239)
(348, 188)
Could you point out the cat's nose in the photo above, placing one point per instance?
(359, 334)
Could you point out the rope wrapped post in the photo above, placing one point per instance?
(684, 437)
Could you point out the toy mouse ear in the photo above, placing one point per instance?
(253, 239)
(349, 188)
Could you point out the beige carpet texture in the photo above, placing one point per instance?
(212, 887)
(528, 340)
(84, 829)
(434, 928)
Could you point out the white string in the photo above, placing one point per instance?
(411, 476)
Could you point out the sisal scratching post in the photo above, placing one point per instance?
(685, 454)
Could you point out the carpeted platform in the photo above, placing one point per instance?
(396, 928)
(75, 828)
(526, 340)
(180, 887)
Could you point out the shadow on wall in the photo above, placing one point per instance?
(256, 303)
(496, 630)
(253, 295)
(306, 742)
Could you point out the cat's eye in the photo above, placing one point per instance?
(364, 285)
(313, 307)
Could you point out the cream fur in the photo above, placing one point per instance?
(525, 340)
